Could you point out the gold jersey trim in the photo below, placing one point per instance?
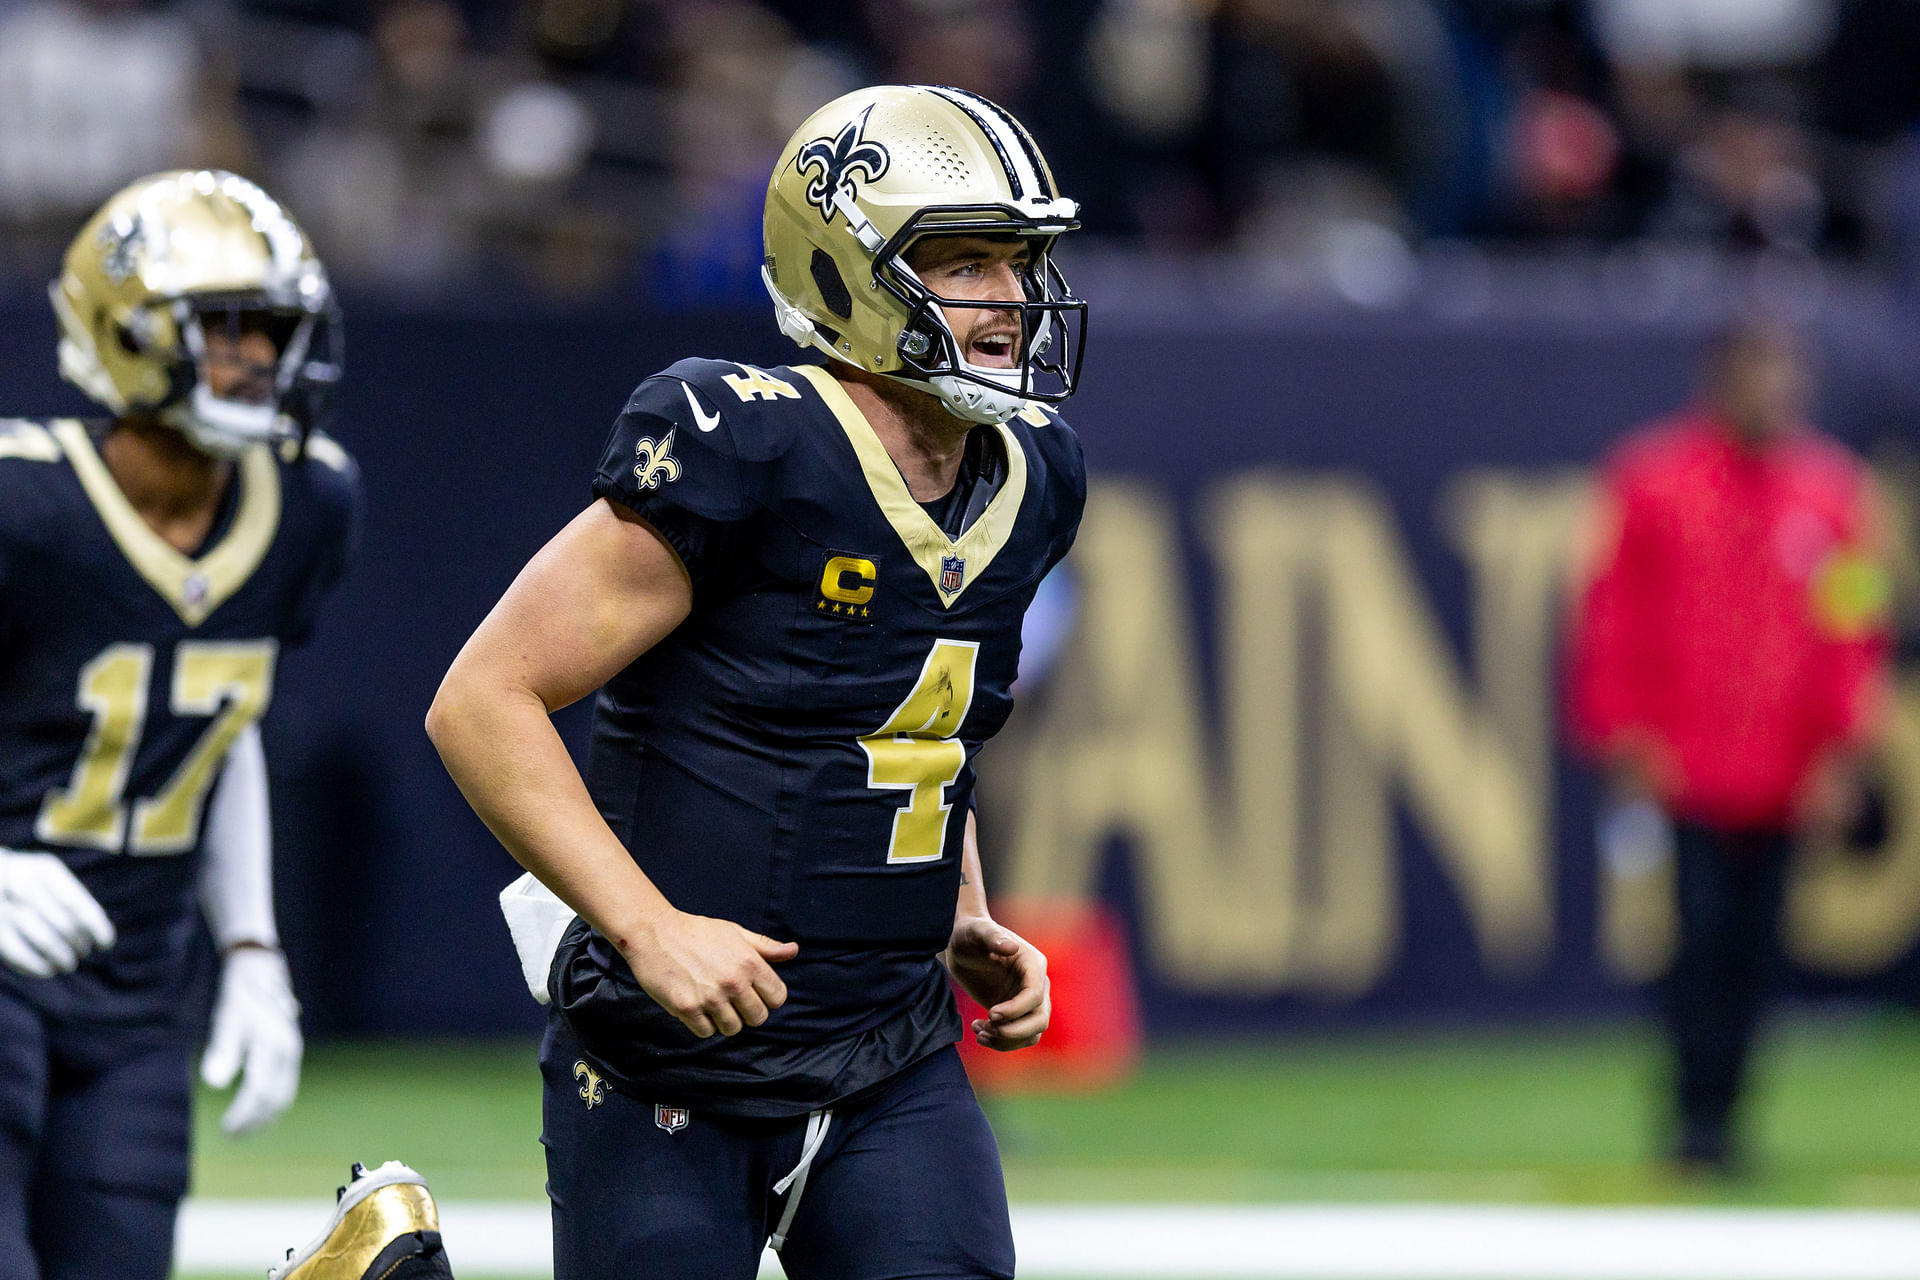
(926, 541)
(195, 588)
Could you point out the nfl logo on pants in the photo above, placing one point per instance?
(671, 1118)
(953, 570)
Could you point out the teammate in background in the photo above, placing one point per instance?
(1729, 666)
(799, 591)
(152, 564)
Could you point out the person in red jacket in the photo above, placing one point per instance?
(1729, 665)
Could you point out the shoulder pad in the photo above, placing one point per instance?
(323, 449)
(757, 405)
(729, 383)
(325, 476)
(1036, 414)
(28, 440)
(1051, 435)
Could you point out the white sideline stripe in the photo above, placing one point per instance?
(1293, 1242)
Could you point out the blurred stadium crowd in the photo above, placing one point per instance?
(595, 145)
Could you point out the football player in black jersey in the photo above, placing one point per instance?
(153, 564)
(799, 593)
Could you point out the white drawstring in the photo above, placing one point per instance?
(817, 1122)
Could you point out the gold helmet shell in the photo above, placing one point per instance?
(863, 178)
(156, 256)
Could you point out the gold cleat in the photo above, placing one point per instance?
(385, 1227)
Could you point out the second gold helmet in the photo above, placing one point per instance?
(143, 275)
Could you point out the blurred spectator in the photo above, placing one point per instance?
(982, 45)
(745, 81)
(1728, 666)
(1556, 148)
(385, 182)
(1746, 179)
(1870, 104)
(1713, 98)
(1123, 115)
(1148, 60)
(1331, 123)
(431, 142)
(1564, 152)
(95, 93)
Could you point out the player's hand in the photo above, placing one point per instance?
(1831, 799)
(711, 974)
(256, 1035)
(1640, 766)
(1006, 974)
(48, 920)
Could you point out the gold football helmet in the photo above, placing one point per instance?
(164, 259)
(870, 173)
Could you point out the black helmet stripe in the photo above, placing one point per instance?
(959, 98)
(1019, 131)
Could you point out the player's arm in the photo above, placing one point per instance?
(1849, 687)
(997, 967)
(1614, 646)
(601, 593)
(49, 923)
(256, 1021)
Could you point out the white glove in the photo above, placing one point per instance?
(256, 1026)
(48, 920)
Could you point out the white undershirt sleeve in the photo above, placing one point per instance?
(236, 880)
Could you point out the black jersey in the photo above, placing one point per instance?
(797, 756)
(126, 670)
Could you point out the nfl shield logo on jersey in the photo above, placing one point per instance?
(671, 1119)
(953, 571)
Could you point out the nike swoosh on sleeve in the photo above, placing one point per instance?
(701, 418)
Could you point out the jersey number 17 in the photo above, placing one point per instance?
(227, 680)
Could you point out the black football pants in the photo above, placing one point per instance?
(93, 1146)
(1730, 888)
(905, 1183)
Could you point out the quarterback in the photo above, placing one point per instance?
(152, 565)
(799, 593)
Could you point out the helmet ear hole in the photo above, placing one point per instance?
(833, 290)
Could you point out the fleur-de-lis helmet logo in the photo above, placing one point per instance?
(837, 160)
(122, 241)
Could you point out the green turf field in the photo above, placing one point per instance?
(1558, 1117)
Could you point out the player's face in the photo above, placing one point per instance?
(976, 269)
(1764, 386)
(241, 360)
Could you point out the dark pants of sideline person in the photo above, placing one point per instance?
(1730, 888)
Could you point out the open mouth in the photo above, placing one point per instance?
(241, 381)
(991, 351)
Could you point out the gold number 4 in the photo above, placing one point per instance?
(917, 750)
(229, 681)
